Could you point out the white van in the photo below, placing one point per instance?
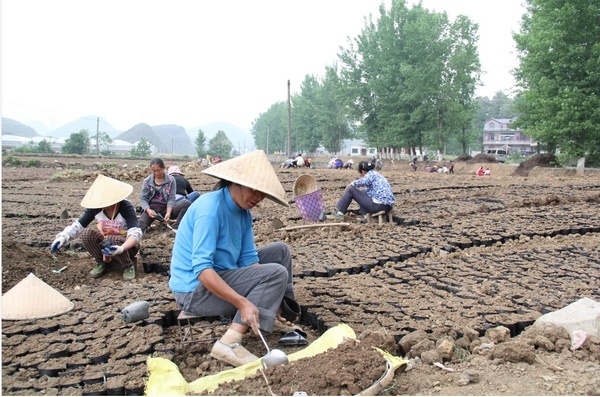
(498, 154)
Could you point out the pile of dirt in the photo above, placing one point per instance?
(482, 158)
(350, 368)
(463, 158)
(537, 160)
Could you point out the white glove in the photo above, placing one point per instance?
(114, 250)
(57, 244)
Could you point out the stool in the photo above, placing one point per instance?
(185, 325)
(380, 215)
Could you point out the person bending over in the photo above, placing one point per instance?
(116, 239)
(371, 191)
(158, 197)
(216, 269)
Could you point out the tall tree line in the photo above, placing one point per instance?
(559, 76)
(406, 81)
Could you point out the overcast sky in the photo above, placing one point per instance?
(194, 62)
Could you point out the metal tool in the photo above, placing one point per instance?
(273, 357)
(162, 219)
(59, 271)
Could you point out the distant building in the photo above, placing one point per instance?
(497, 134)
(357, 147)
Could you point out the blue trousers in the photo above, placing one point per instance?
(366, 204)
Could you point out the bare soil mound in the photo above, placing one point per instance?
(537, 160)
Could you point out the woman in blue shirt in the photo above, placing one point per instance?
(377, 195)
(215, 267)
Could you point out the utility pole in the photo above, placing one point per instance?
(97, 136)
(289, 145)
(268, 127)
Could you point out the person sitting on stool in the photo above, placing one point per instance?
(378, 195)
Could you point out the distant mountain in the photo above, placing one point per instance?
(140, 131)
(168, 138)
(238, 137)
(90, 123)
(174, 140)
(13, 127)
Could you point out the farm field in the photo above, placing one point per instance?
(463, 255)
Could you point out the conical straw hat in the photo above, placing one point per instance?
(105, 192)
(32, 298)
(252, 170)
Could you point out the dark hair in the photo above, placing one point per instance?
(221, 184)
(158, 161)
(365, 166)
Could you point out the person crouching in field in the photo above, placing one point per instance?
(116, 239)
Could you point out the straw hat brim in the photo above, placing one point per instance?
(252, 170)
(304, 184)
(105, 192)
(32, 298)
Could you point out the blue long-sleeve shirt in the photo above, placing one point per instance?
(378, 188)
(214, 234)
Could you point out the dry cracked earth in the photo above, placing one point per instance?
(468, 264)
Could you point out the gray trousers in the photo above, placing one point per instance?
(366, 204)
(264, 285)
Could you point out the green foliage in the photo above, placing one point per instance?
(333, 124)
(142, 148)
(11, 161)
(103, 142)
(410, 77)
(200, 144)
(270, 129)
(26, 148)
(77, 143)
(44, 147)
(304, 116)
(220, 145)
(559, 73)
(33, 163)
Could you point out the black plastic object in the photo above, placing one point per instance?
(294, 338)
(106, 245)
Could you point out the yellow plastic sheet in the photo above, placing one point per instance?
(166, 380)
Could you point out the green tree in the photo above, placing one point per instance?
(143, 148)
(220, 145)
(559, 74)
(44, 146)
(200, 144)
(409, 77)
(333, 124)
(77, 143)
(269, 129)
(103, 142)
(305, 108)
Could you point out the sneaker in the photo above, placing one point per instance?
(129, 273)
(234, 354)
(98, 270)
(337, 215)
